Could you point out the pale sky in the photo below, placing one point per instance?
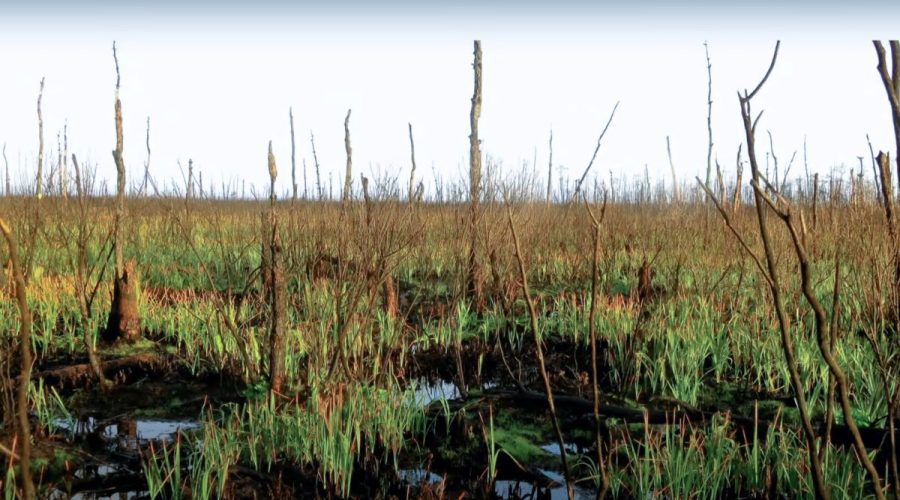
(217, 80)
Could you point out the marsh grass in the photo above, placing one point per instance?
(707, 339)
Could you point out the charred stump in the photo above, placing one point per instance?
(124, 322)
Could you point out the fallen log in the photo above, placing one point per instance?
(121, 371)
(679, 413)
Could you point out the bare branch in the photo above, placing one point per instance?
(768, 72)
(594, 156)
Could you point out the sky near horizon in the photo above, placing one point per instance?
(217, 80)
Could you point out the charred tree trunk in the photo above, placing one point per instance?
(124, 322)
(474, 286)
(275, 296)
(277, 307)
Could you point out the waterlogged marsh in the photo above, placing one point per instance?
(446, 396)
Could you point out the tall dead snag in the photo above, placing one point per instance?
(124, 321)
(275, 295)
(412, 169)
(474, 288)
(676, 192)
(146, 181)
(23, 428)
(891, 83)
(550, 171)
(709, 103)
(305, 190)
(720, 179)
(787, 342)
(189, 189)
(348, 176)
(39, 181)
(312, 141)
(539, 347)
(293, 156)
(875, 170)
(63, 164)
(815, 201)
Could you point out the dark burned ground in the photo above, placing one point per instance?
(97, 453)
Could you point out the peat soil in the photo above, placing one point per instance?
(490, 419)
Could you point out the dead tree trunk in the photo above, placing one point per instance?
(63, 166)
(312, 141)
(348, 176)
(146, 163)
(550, 172)
(412, 170)
(709, 103)
(124, 320)
(39, 186)
(275, 296)
(293, 156)
(189, 191)
(474, 289)
(676, 194)
(721, 181)
(815, 201)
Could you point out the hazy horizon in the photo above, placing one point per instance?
(217, 82)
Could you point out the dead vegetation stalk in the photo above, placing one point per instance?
(25, 363)
(532, 313)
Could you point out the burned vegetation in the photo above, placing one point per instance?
(735, 337)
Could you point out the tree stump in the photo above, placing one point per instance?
(124, 323)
